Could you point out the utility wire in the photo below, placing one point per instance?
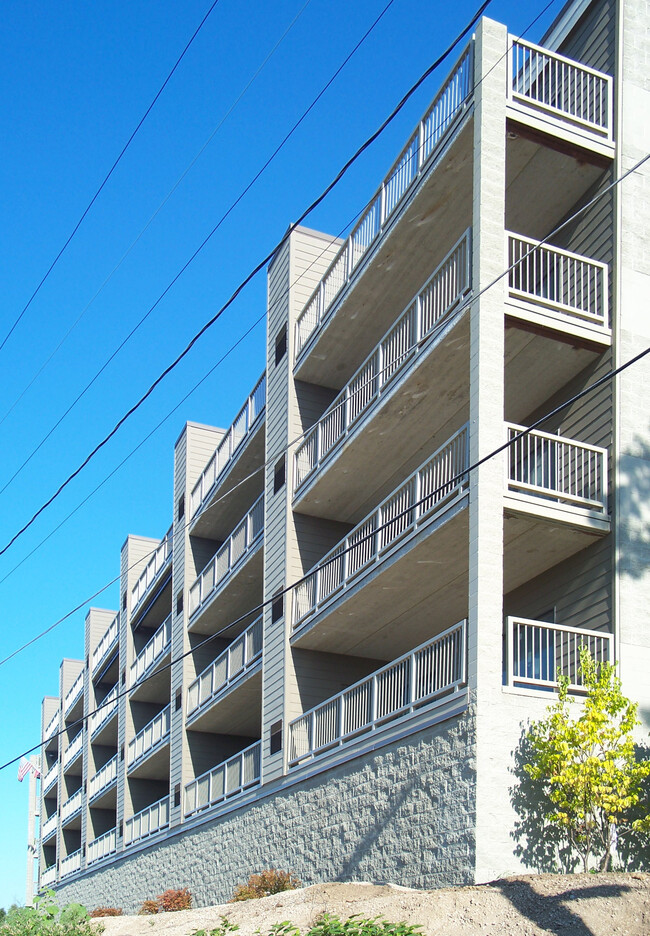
(148, 224)
(247, 279)
(460, 477)
(109, 174)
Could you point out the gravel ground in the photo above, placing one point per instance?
(534, 905)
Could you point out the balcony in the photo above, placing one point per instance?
(551, 93)
(224, 782)
(71, 807)
(74, 693)
(49, 827)
(71, 864)
(535, 652)
(52, 727)
(241, 446)
(106, 645)
(152, 654)
(48, 877)
(431, 675)
(159, 562)
(75, 749)
(104, 712)
(426, 495)
(237, 663)
(392, 198)
(149, 739)
(242, 544)
(102, 847)
(50, 778)
(398, 352)
(105, 777)
(147, 822)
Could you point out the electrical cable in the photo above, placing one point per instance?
(109, 174)
(441, 489)
(242, 285)
(154, 216)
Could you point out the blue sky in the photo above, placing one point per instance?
(75, 78)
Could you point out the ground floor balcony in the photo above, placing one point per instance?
(237, 672)
(105, 712)
(102, 847)
(225, 781)
(144, 683)
(49, 827)
(148, 752)
(428, 676)
(147, 822)
(48, 877)
(71, 864)
(536, 653)
(71, 809)
(234, 575)
(104, 779)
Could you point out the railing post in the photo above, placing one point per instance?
(341, 717)
(420, 146)
(312, 732)
(508, 651)
(373, 701)
(382, 206)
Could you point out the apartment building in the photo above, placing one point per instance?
(326, 663)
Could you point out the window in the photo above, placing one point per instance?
(279, 476)
(181, 507)
(179, 699)
(275, 737)
(124, 602)
(177, 795)
(280, 345)
(277, 606)
(179, 602)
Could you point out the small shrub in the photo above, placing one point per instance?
(45, 919)
(148, 907)
(174, 900)
(266, 882)
(224, 927)
(105, 912)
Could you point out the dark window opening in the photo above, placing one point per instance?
(277, 607)
(181, 507)
(275, 737)
(279, 476)
(280, 345)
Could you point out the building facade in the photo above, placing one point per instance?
(327, 662)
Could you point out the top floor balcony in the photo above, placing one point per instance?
(153, 653)
(106, 645)
(74, 694)
(159, 563)
(104, 713)
(239, 453)
(50, 778)
(52, 726)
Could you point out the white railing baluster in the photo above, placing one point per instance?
(536, 650)
(228, 779)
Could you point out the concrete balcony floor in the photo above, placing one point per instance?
(240, 592)
(235, 711)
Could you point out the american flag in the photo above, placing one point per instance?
(24, 767)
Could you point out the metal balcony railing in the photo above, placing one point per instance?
(106, 645)
(220, 567)
(71, 806)
(48, 877)
(101, 847)
(564, 281)
(154, 733)
(224, 781)
(560, 87)
(159, 561)
(49, 827)
(74, 749)
(105, 710)
(244, 423)
(73, 693)
(52, 726)
(71, 864)
(147, 822)
(104, 777)
(451, 101)
(536, 652)
(242, 654)
(429, 488)
(557, 469)
(50, 777)
(425, 675)
(402, 344)
(155, 650)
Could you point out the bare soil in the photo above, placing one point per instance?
(532, 905)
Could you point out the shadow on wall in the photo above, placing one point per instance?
(634, 504)
(552, 914)
(544, 847)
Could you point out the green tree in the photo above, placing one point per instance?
(592, 779)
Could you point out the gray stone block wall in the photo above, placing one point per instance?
(404, 813)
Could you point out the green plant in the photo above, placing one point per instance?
(266, 882)
(224, 927)
(44, 918)
(587, 766)
(332, 925)
(105, 912)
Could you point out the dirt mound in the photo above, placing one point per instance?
(534, 905)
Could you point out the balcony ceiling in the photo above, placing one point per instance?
(414, 417)
(241, 593)
(156, 605)
(419, 592)
(107, 799)
(431, 221)
(238, 712)
(156, 687)
(154, 767)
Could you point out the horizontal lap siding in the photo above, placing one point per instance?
(593, 38)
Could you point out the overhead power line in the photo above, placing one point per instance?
(108, 175)
(249, 277)
(449, 483)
